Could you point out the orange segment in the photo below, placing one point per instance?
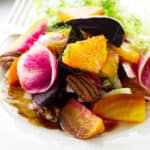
(121, 107)
(70, 13)
(12, 76)
(88, 55)
(110, 68)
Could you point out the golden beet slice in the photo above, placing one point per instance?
(88, 55)
(79, 121)
(121, 107)
(79, 12)
(127, 53)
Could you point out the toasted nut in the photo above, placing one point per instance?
(7, 58)
(84, 87)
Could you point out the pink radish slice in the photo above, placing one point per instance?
(25, 41)
(37, 69)
(144, 71)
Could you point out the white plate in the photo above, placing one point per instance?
(17, 134)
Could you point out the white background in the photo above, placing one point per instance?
(19, 135)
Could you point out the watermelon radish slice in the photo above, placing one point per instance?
(37, 69)
(25, 41)
(144, 71)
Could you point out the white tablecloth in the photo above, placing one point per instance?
(11, 135)
(5, 8)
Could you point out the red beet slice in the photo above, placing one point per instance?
(52, 94)
(107, 26)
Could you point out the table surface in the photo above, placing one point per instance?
(8, 124)
(5, 7)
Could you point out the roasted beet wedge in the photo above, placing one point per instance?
(110, 27)
(44, 99)
(79, 121)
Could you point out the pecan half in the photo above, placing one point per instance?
(84, 87)
(7, 58)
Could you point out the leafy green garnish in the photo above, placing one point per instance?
(58, 26)
(75, 35)
(134, 27)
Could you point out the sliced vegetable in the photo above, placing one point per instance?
(110, 68)
(119, 91)
(121, 107)
(26, 40)
(107, 26)
(46, 98)
(127, 54)
(79, 12)
(144, 71)
(88, 55)
(51, 95)
(37, 69)
(79, 121)
(134, 86)
(56, 40)
(12, 75)
(129, 70)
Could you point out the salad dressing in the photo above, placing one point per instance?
(18, 100)
(16, 94)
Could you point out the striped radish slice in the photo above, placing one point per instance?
(144, 71)
(37, 69)
(25, 41)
